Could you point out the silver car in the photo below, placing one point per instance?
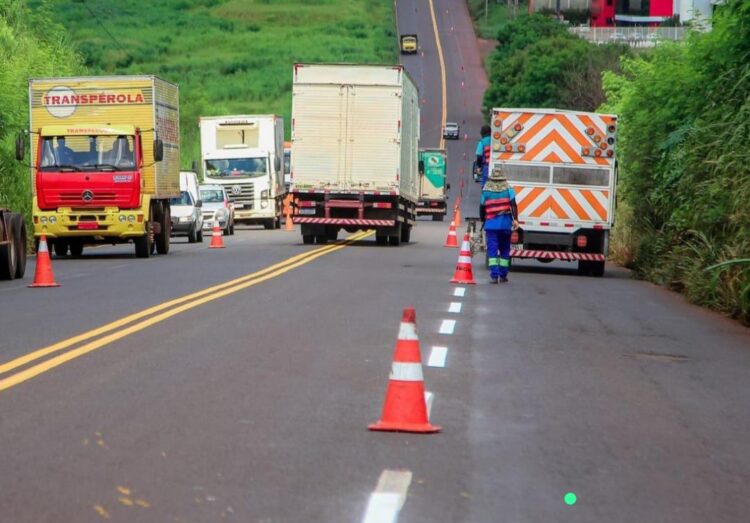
(187, 217)
(217, 207)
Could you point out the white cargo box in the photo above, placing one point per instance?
(355, 128)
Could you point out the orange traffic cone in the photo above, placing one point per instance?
(405, 408)
(43, 276)
(457, 215)
(288, 223)
(464, 272)
(452, 239)
(217, 242)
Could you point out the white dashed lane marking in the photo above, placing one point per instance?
(455, 307)
(428, 399)
(437, 357)
(389, 496)
(459, 291)
(447, 327)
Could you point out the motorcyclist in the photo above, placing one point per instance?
(483, 152)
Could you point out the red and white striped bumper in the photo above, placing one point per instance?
(428, 210)
(553, 255)
(344, 221)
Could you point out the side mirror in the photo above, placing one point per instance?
(158, 150)
(447, 186)
(421, 166)
(199, 204)
(20, 148)
(277, 164)
(195, 167)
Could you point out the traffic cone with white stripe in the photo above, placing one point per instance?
(458, 213)
(452, 239)
(464, 273)
(43, 276)
(217, 242)
(405, 408)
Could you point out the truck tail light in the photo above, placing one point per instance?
(306, 203)
(514, 237)
(382, 205)
(581, 241)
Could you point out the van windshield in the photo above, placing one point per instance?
(237, 168)
(87, 153)
(183, 199)
(212, 195)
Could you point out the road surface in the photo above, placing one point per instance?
(237, 384)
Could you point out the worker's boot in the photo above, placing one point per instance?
(493, 279)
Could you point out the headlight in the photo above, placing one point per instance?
(122, 218)
(43, 219)
(264, 194)
(131, 218)
(221, 214)
(53, 219)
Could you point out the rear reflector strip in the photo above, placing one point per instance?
(553, 255)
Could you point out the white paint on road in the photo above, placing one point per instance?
(459, 291)
(447, 327)
(455, 307)
(428, 397)
(389, 497)
(437, 357)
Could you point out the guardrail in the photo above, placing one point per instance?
(632, 36)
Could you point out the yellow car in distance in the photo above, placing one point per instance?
(408, 44)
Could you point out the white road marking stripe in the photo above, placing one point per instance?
(459, 291)
(389, 497)
(455, 307)
(428, 398)
(406, 371)
(437, 357)
(447, 327)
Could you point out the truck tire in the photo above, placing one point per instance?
(20, 238)
(76, 248)
(60, 247)
(268, 225)
(199, 235)
(332, 233)
(381, 239)
(165, 222)
(321, 239)
(308, 239)
(394, 240)
(193, 235)
(145, 244)
(405, 232)
(596, 269)
(8, 257)
(584, 268)
(438, 217)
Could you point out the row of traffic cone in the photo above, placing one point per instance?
(44, 277)
(452, 239)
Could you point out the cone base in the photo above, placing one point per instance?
(449, 245)
(390, 426)
(465, 282)
(216, 246)
(36, 285)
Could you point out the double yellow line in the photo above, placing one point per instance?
(442, 73)
(126, 326)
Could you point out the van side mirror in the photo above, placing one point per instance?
(20, 148)
(421, 166)
(277, 164)
(199, 203)
(195, 167)
(158, 150)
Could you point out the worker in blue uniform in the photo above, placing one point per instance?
(499, 212)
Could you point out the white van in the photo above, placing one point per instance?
(187, 217)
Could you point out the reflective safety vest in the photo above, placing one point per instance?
(496, 206)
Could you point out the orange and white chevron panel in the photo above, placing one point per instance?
(551, 136)
(557, 203)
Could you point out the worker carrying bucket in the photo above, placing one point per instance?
(499, 213)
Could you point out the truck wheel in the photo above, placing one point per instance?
(308, 239)
(321, 239)
(268, 225)
(8, 257)
(405, 232)
(76, 248)
(584, 267)
(438, 217)
(597, 269)
(162, 239)
(200, 236)
(145, 244)
(381, 240)
(60, 247)
(332, 233)
(395, 239)
(193, 235)
(20, 237)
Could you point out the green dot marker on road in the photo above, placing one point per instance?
(570, 499)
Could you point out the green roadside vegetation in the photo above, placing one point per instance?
(497, 14)
(683, 216)
(227, 56)
(31, 45)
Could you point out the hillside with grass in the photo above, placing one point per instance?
(228, 56)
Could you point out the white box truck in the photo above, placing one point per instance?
(245, 153)
(355, 134)
(563, 167)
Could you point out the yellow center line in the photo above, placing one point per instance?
(199, 298)
(442, 73)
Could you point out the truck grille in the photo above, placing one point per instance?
(246, 192)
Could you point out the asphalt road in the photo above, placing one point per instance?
(250, 401)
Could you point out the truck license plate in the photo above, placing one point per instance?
(88, 226)
(238, 205)
(306, 211)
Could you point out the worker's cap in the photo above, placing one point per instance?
(497, 174)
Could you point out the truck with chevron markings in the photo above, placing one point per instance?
(563, 167)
